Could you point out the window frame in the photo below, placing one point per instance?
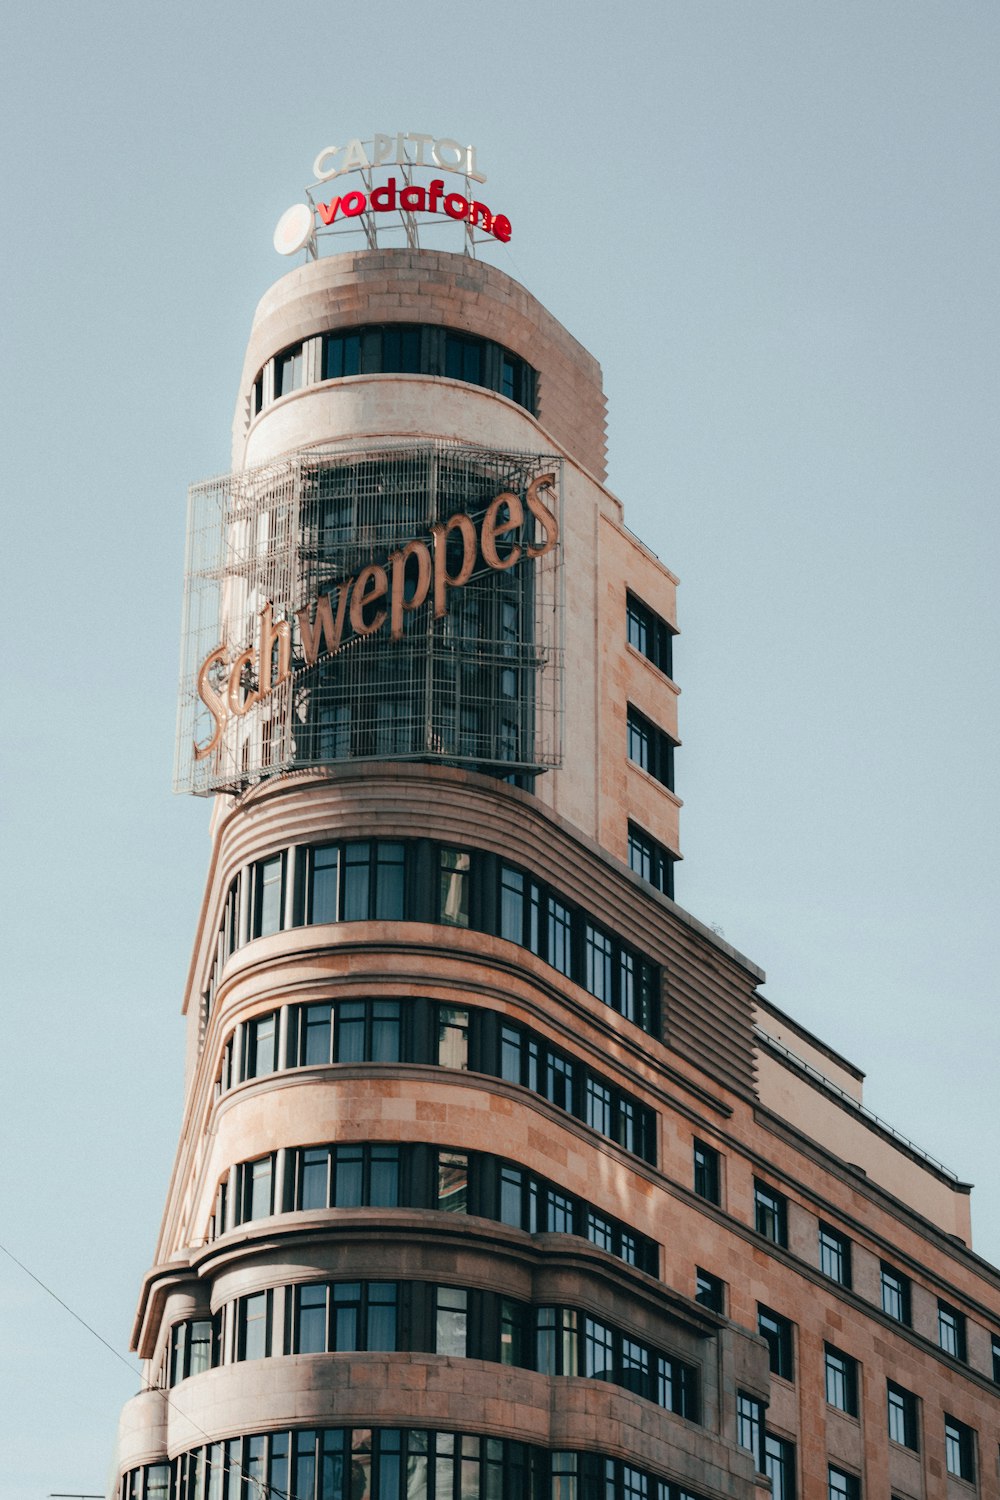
(960, 1449)
(895, 1289)
(770, 1213)
(834, 1255)
(902, 1422)
(778, 1332)
(842, 1368)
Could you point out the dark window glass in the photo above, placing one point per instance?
(453, 905)
(951, 1330)
(650, 747)
(253, 1326)
(706, 1172)
(710, 1291)
(324, 869)
(834, 1255)
(902, 1415)
(649, 634)
(268, 895)
(261, 1045)
(452, 1182)
(995, 1346)
(841, 1486)
(895, 1294)
(770, 1214)
(650, 859)
(959, 1449)
(778, 1333)
(560, 936)
(841, 1380)
(452, 1037)
(750, 1427)
(315, 1035)
(288, 371)
(256, 1200)
(779, 1466)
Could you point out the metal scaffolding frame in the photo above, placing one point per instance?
(480, 687)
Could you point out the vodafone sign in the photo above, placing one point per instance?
(405, 194)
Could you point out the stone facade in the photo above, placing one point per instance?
(700, 1130)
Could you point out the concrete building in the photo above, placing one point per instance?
(498, 1176)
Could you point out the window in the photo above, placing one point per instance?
(193, 1348)
(253, 1326)
(706, 1172)
(841, 1380)
(835, 1255)
(779, 1466)
(649, 635)
(995, 1345)
(777, 1331)
(650, 859)
(535, 917)
(451, 1320)
(770, 1213)
(710, 1290)
(841, 1486)
(902, 1415)
(895, 1294)
(255, 1189)
(453, 904)
(951, 1330)
(361, 1175)
(750, 1427)
(959, 1449)
(650, 747)
(418, 349)
(288, 371)
(267, 896)
(452, 1037)
(311, 1036)
(368, 1031)
(260, 1046)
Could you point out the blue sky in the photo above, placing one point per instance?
(775, 226)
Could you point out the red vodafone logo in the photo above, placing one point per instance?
(414, 199)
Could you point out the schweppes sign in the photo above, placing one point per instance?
(379, 595)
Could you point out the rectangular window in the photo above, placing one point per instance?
(598, 1350)
(902, 1415)
(452, 1037)
(452, 1320)
(841, 1486)
(453, 896)
(770, 1213)
(257, 1189)
(677, 1387)
(253, 1326)
(560, 931)
(268, 896)
(261, 1046)
(650, 747)
(650, 635)
(779, 1466)
(959, 1449)
(995, 1345)
(841, 1380)
(323, 884)
(368, 1031)
(315, 1035)
(835, 1255)
(750, 1427)
(288, 371)
(777, 1331)
(452, 1182)
(309, 1319)
(951, 1330)
(895, 1294)
(599, 960)
(710, 1290)
(650, 860)
(706, 1172)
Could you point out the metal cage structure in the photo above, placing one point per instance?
(266, 688)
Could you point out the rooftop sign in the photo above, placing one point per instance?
(402, 202)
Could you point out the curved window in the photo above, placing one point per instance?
(377, 1174)
(405, 349)
(338, 1317)
(425, 1031)
(341, 1463)
(397, 880)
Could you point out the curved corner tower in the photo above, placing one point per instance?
(414, 1243)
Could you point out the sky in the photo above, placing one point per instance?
(774, 222)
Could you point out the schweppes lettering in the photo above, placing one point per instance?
(377, 595)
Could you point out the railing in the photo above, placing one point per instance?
(852, 1103)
